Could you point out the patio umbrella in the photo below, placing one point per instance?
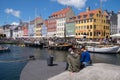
(115, 35)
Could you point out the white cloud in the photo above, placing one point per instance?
(75, 3)
(15, 13)
(14, 23)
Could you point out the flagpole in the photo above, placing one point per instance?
(101, 19)
(29, 27)
(101, 5)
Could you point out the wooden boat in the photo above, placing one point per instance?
(112, 49)
(4, 49)
(60, 47)
(31, 44)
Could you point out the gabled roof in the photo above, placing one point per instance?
(105, 13)
(62, 12)
(89, 12)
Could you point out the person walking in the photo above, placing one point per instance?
(85, 58)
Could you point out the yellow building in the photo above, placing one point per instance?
(38, 28)
(92, 23)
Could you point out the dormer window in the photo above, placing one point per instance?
(79, 17)
(91, 15)
(84, 16)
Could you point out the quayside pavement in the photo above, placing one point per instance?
(38, 70)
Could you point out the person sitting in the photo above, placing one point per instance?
(85, 58)
(73, 61)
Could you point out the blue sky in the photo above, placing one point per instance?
(11, 11)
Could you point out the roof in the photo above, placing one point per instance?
(62, 12)
(88, 13)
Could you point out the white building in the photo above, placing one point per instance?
(118, 21)
(7, 30)
(60, 27)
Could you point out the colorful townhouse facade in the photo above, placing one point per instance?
(25, 29)
(51, 29)
(38, 26)
(57, 21)
(93, 24)
(70, 27)
(20, 31)
(31, 29)
(44, 28)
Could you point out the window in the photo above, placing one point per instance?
(94, 20)
(90, 26)
(84, 16)
(97, 15)
(90, 33)
(84, 27)
(84, 21)
(79, 17)
(81, 21)
(76, 33)
(90, 20)
(91, 15)
(94, 26)
(87, 27)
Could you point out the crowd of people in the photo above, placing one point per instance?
(78, 59)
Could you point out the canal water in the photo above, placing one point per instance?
(12, 63)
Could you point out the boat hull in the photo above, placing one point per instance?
(109, 50)
(5, 50)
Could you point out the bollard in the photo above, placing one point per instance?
(31, 57)
(50, 60)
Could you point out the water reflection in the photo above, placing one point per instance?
(18, 52)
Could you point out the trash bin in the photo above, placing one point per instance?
(50, 60)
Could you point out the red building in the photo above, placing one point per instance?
(25, 29)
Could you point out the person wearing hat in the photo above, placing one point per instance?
(85, 58)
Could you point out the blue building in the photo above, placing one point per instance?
(31, 30)
(44, 30)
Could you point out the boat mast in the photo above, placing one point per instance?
(101, 18)
(35, 21)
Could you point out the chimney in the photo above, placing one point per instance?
(87, 9)
(119, 12)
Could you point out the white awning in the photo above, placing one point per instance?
(115, 35)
